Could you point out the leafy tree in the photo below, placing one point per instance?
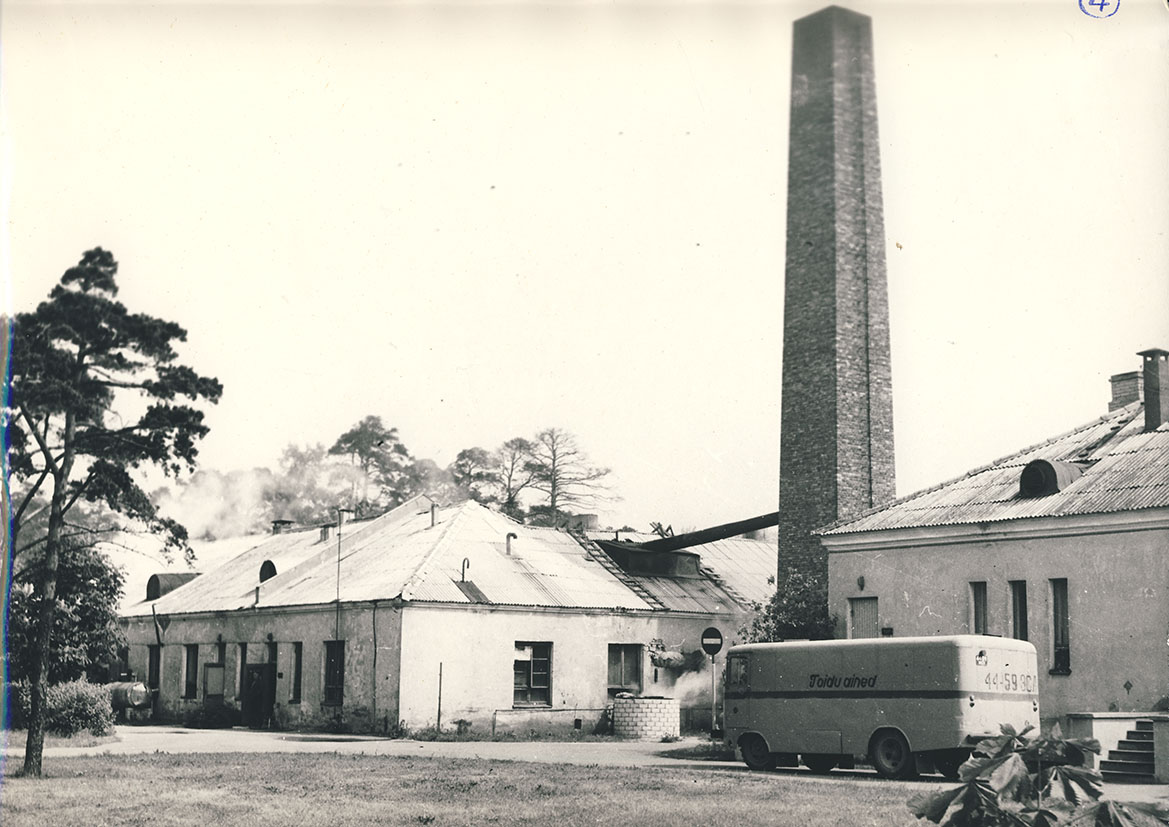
(512, 458)
(477, 472)
(75, 360)
(1023, 782)
(424, 476)
(308, 488)
(562, 472)
(85, 630)
(382, 459)
(798, 610)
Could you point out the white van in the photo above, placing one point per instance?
(900, 702)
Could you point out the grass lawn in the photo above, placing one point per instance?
(19, 737)
(281, 789)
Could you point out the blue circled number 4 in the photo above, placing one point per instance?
(1100, 4)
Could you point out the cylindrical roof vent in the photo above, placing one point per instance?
(1041, 477)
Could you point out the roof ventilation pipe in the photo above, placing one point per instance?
(433, 509)
(511, 535)
(1041, 477)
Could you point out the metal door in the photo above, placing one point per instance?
(862, 617)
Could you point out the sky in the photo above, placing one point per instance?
(480, 220)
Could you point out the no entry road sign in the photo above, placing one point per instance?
(712, 641)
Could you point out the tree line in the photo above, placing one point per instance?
(546, 479)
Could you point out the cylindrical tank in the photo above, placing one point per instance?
(129, 695)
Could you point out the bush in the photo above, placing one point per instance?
(78, 706)
(212, 717)
(1019, 781)
(17, 700)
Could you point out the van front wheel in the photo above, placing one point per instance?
(890, 755)
(755, 753)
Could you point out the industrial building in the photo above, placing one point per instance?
(452, 616)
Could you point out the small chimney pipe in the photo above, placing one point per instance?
(1156, 375)
(511, 535)
(433, 508)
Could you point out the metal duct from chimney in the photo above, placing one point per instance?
(511, 535)
(326, 530)
(1041, 477)
(1156, 374)
(433, 509)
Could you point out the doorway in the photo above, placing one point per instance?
(259, 695)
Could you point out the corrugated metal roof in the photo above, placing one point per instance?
(747, 567)
(402, 554)
(1125, 469)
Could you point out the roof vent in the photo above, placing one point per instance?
(1041, 477)
(160, 584)
(280, 526)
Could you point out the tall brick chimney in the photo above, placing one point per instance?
(1156, 375)
(836, 440)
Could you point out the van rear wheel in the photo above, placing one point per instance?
(755, 753)
(890, 755)
(820, 764)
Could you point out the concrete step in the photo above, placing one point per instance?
(1139, 735)
(1135, 745)
(1127, 767)
(1131, 756)
(1144, 725)
(1111, 777)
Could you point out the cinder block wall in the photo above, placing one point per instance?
(646, 719)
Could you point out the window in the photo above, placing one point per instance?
(978, 607)
(334, 671)
(297, 660)
(191, 671)
(154, 666)
(1019, 609)
(243, 667)
(221, 653)
(532, 669)
(272, 651)
(624, 668)
(862, 617)
(737, 674)
(1061, 654)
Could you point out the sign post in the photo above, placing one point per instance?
(712, 644)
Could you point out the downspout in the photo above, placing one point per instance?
(373, 697)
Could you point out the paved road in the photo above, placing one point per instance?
(149, 739)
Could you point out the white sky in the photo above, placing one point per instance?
(477, 221)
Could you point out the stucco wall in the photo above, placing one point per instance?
(370, 694)
(476, 648)
(1118, 602)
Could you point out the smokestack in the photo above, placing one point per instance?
(280, 526)
(326, 529)
(1156, 377)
